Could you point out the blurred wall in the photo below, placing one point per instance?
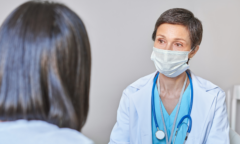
(120, 36)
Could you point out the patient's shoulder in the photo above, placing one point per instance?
(39, 132)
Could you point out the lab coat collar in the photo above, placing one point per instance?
(142, 102)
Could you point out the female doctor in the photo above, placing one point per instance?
(172, 105)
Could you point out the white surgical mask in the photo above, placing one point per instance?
(170, 63)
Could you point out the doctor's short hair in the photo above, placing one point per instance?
(183, 17)
(45, 65)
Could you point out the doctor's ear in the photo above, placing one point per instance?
(193, 52)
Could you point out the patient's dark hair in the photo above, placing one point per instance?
(183, 17)
(45, 65)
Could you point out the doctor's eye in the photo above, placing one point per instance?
(179, 45)
(161, 41)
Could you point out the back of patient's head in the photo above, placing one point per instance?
(44, 65)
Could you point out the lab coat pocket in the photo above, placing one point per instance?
(193, 139)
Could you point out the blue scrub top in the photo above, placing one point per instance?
(169, 119)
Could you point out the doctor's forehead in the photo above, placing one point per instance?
(173, 32)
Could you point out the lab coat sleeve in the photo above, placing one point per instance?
(120, 132)
(219, 132)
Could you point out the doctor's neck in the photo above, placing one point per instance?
(172, 84)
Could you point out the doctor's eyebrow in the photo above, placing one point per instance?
(180, 39)
(161, 35)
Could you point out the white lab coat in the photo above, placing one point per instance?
(209, 116)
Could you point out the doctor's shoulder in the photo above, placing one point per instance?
(209, 87)
(138, 84)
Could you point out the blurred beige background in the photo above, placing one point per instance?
(120, 35)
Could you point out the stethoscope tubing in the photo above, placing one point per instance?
(190, 108)
(184, 117)
(153, 105)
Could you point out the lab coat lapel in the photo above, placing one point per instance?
(142, 102)
(202, 103)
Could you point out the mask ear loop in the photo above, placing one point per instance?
(192, 49)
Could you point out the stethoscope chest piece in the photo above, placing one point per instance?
(160, 135)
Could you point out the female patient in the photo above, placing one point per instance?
(45, 65)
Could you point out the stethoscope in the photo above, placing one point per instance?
(159, 133)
